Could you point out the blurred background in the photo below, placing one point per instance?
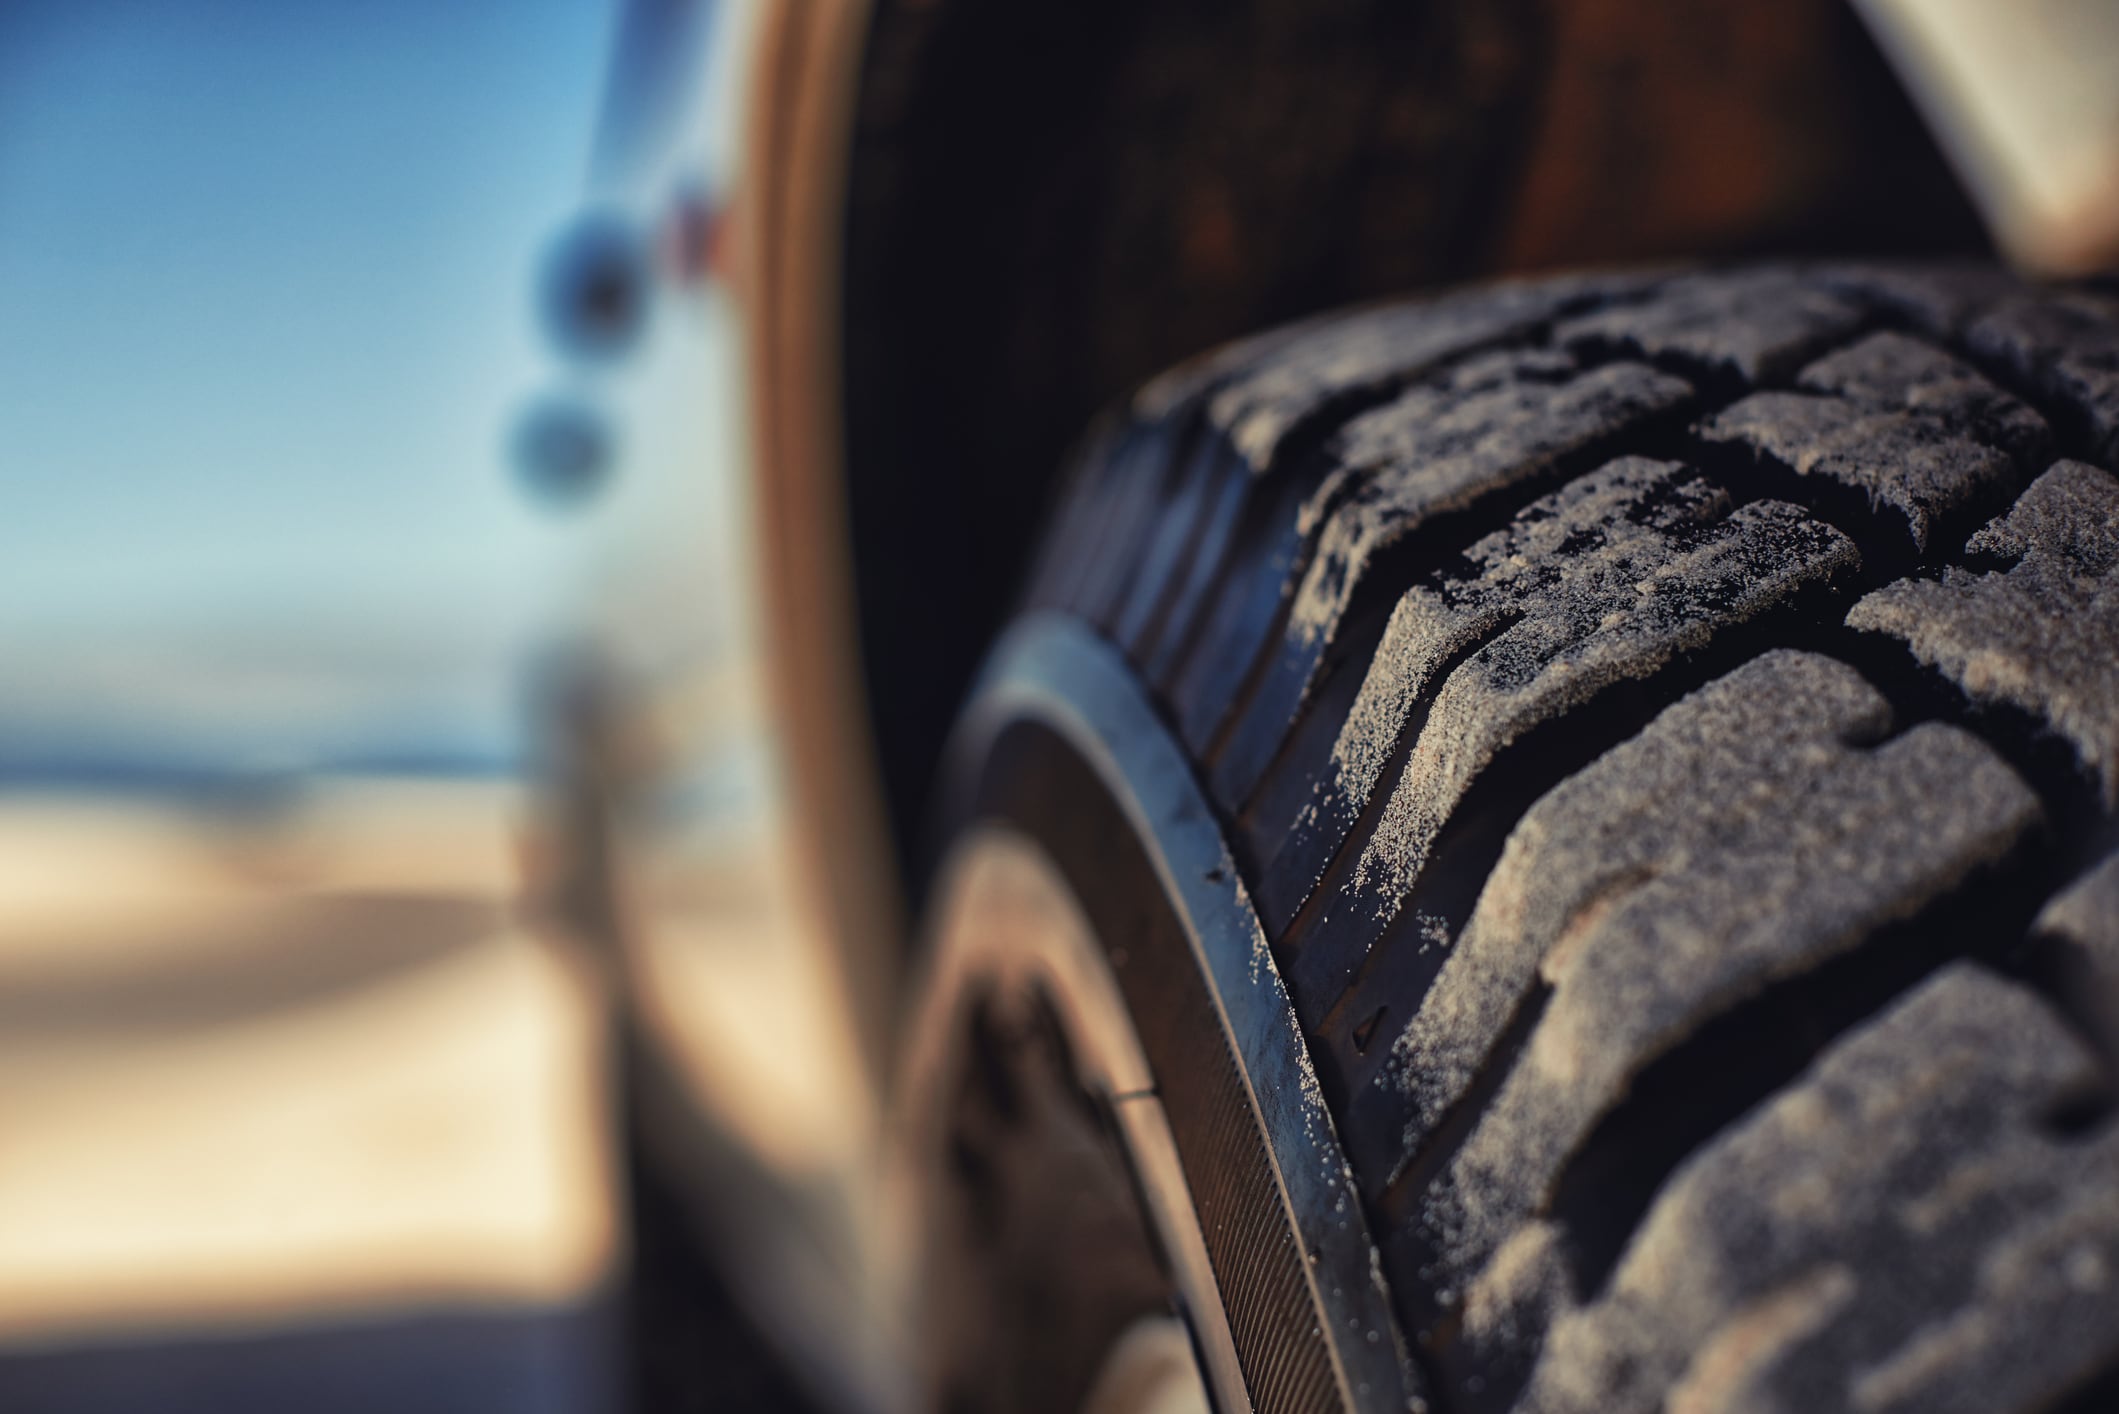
(364, 373)
(482, 598)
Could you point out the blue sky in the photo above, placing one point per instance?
(265, 315)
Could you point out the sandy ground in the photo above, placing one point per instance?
(296, 1083)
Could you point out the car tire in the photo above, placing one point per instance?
(1598, 794)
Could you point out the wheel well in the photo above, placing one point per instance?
(1049, 202)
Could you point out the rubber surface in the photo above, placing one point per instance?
(1047, 203)
(1669, 724)
(1062, 747)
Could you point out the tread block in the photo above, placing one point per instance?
(1119, 470)
(2079, 933)
(1574, 1032)
(2041, 636)
(1172, 391)
(1894, 1232)
(1656, 564)
(1936, 297)
(1494, 423)
(1193, 532)
(1753, 327)
(1752, 832)
(1892, 370)
(1915, 433)
(1159, 651)
(1259, 409)
(2065, 346)
(1239, 616)
(2086, 913)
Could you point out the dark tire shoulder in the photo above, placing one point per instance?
(1667, 721)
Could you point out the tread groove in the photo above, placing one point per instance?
(1903, 410)
(1746, 1055)
(1466, 852)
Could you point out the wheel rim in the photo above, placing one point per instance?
(1151, 1370)
(1012, 936)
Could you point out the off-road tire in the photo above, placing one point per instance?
(1668, 727)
